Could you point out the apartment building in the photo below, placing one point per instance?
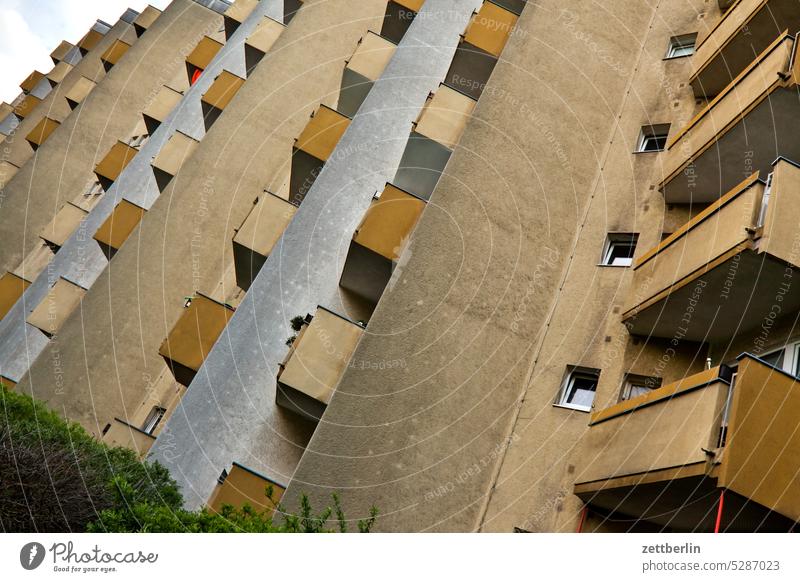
(487, 265)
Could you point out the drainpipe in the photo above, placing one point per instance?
(584, 511)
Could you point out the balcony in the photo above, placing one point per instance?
(315, 363)
(236, 14)
(260, 41)
(145, 19)
(219, 95)
(54, 309)
(113, 54)
(78, 92)
(64, 223)
(202, 55)
(258, 235)
(66, 52)
(91, 39)
(159, 108)
(58, 72)
(193, 335)
(119, 225)
(379, 241)
(173, 154)
(313, 148)
(744, 31)
(39, 134)
(242, 486)
(747, 126)
(11, 289)
(31, 81)
(663, 457)
(26, 106)
(436, 132)
(115, 161)
(723, 272)
(366, 65)
(122, 434)
(7, 171)
(399, 15)
(480, 47)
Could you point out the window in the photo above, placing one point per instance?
(138, 141)
(681, 46)
(152, 420)
(578, 388)
(619, 249)
(636, 385)
(786, 358)
(653, 138)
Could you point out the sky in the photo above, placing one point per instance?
(31, 29)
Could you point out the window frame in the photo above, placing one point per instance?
(573, 372)
(681, 42)
(630, 380)
(154, 418)
(613, 239)
(654, 131)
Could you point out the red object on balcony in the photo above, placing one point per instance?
(196, 75)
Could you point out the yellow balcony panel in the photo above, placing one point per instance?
(718, 275)
(379, 241)
(445, 115)
(145, 19)
(111, 166)
(5, 109)
(490, 28)
(314, 146)
(744, 31)
(122, 434)
(399, 15)
(7, 171)
(202, 55)
(193, 336)
(244, 486)
(11, 289)
(90, 40)
(26, 106)
(160, 107)
(258, 235)
(114, 53)
(62, 299)
(365, 66)
(57, 73)
(750, 122)
(664, 457)
(39, 134)
(315, 363)
(236, 14)
(31, 81)
(173, 154)
(62, 52)
(116, 229)
(260, 41)
(64, 223)
(219, 95)
(78, 92)
(7, 383)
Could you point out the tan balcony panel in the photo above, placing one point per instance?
(316, 362)
(5, 109)
(379, 241)
(445, 116)
(39, 134)
(745, 31)
(664, 457)
(258, 235)
(54, 309)
(399, 15)
(159, 108)
(193, 336)
(748, 125)
(366, 64)
(145, 19)
(57, 73)
(111, 166)
(116, 229)
(219, 95)
(89, 41)
(122, 434)
(7, 383)
(66, 220)
(202, 55)
(173, 154)
(11, 289)
(26, 106)
(315, 144)
(78, 92)
(722, 273)
(236, 14)
(114, 53)
(260, 41)
(7, 171)
(244, 486)
(62, 53)
(31, 81)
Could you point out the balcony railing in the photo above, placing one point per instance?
(54, 309)
(39, 134)
(199, 59)
(79, 91)
(242, 486)
(11, 289)
(173, 154)
(114, 53)
(122, 434)
(363, 68)
(236, 14)
(260, 41)
(663, 457)
(114, 162)
(119, 225)
(723, 272)
(399, 15)
(748, 125)
(145, 19)
(219, 95)
(157, 111)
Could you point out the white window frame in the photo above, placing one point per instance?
(618, 238)
(573, 372)
(153, 419)
(681, 46)
(790, 362)
(632, 380)
(653, 132)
